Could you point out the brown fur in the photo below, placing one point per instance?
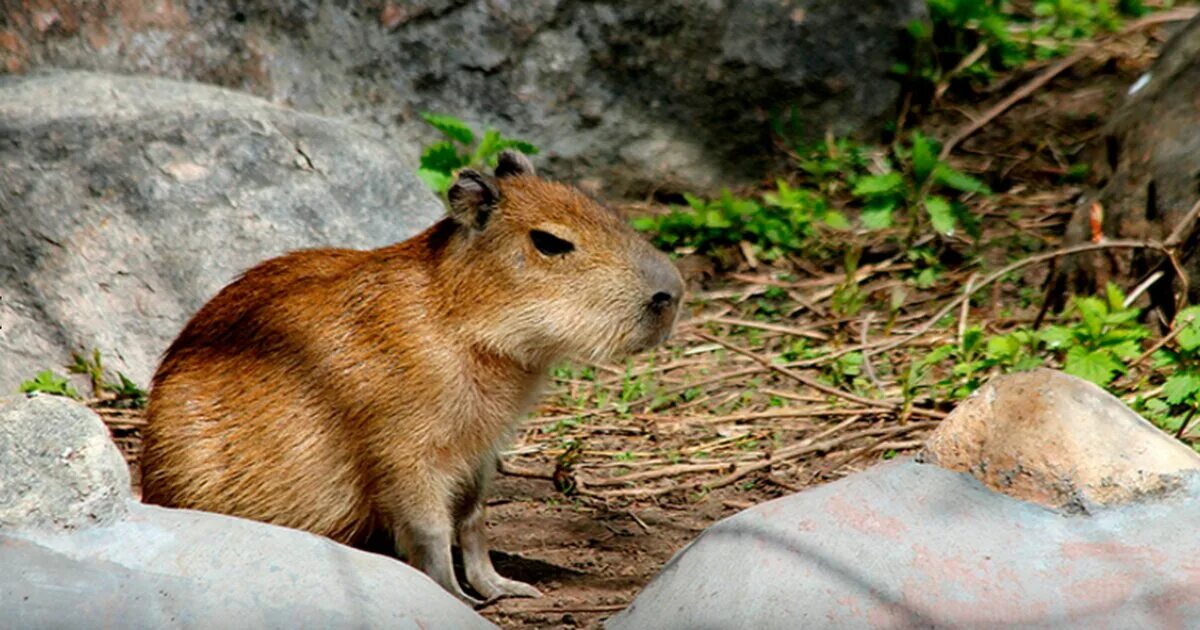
(337, 391)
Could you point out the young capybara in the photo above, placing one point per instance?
(340, 391)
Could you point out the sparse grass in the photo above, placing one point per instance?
(122, 392)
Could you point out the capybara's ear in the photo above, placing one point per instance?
(473, 197)
(512, 162)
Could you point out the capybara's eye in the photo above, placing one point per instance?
(549, 244)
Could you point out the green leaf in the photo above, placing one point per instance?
(1002, 347)
(1115, 297)
(645, 224)
(437, 180)
(1056, 337)
(1181, 386)
(924, 157)
(1093, 311)
(874, 185)
(958, 180)
(454, 128)
(836, 220)
(939, 354)
(520, 145)
(940, 214)
(443, 157)
(1189, 337)
(47, 382)
(1097, 366)
(971, 339)
(487, 147)
(1126, 349)
(878, 215)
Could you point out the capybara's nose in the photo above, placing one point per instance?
(662, 301)
(664, 282)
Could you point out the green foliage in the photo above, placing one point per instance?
(966, 42)
(782, 221)
(1096, 342)
(47, 382)
(911, 183)
(459, 150)
(1180, 398)
(124, 392)
(917, 182)
(1105, 337)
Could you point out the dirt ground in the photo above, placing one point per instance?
(623, 464)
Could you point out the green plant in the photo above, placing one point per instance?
(848, 297)
(124, 391)
(440, 160)
(47, 382)
(1180, 399)
(969, 41)
(1098, 344)
(782, 221)
(921, 184)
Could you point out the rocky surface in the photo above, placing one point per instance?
(125, 203)
(909, 545)
(635, 94)
(59, 469)
(78, 551)
(1151, 168)
(1051, 438)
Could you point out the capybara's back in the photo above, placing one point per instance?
(250, 385)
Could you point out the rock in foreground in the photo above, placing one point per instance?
(914, 545)
(908, 545)
(125, 203)
(138, 566)
(1054, 439)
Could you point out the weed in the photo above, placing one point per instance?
(966, 42)
(440, 160)
(47, 382)
(780, 222)
(927, 187)
(124, 392)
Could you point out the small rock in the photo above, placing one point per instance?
(58, 467)
(1054, 439)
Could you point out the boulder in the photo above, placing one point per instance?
(1051, 438)
(910, 545)
(637, 94)
(139, 566)
(1150, 170)
(126, 203)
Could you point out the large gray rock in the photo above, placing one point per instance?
(908, 545)
(126, 203)
(640, 94)
(150, 567)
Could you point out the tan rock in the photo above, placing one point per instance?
(1051, 438)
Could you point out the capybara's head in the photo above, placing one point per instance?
(554, 273)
